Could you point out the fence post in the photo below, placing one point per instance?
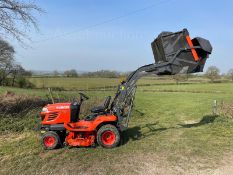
(214, 107)
(51, 96)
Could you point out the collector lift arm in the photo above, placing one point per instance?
(174, 53)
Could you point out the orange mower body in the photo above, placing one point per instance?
(61, 126)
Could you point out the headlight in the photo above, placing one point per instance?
(44, 109)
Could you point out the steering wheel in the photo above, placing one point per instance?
(83, 96)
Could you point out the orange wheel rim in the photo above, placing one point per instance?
(49, 141)
(108, 138)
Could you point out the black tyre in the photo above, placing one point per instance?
(108, 136)
(51, 140)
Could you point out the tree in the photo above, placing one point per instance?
(16, 71)
(213, 73)
(17, 18)
(230, 74)
(10, 71)
(102, 73)
(6, 60)
(71, 73)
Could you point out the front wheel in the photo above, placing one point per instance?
(108, 136)
(51, 140)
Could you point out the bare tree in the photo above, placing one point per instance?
(6, 50)
(16, 18)
(213, 73)
(230, 74)
(6, 60)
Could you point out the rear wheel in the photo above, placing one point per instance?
(51, 140)
(108, 136)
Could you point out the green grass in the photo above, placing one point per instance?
(44, 92)
(37, 92)
(168, 129)
(74, 83)
(99, 83)
(205, 88)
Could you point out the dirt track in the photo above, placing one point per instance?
(152, 167)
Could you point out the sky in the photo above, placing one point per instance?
(90, 35)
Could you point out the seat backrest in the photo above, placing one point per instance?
(74, 112)
(107, 102)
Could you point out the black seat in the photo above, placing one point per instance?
(74, 112)
(101, 109)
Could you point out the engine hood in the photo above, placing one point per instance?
(58, 106)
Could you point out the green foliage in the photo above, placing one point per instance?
(23, 121)
(7, 82)
(24, 83)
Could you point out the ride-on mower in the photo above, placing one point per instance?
(173, 53)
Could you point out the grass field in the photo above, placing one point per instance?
(99, 83)
(172, 131)
(193, 88)
(74, 83)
